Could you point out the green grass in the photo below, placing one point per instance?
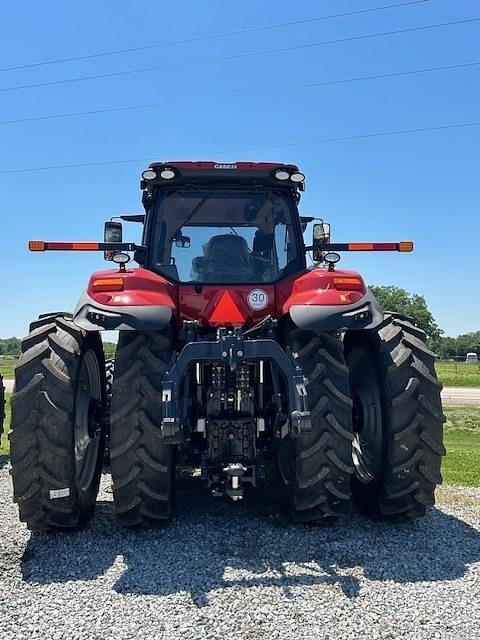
(462, 462)
(466, 418)
(462, 439)
(6, 368)
(458, 374)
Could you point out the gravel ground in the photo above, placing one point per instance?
(222, 570)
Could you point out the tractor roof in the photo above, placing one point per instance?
(206, 171)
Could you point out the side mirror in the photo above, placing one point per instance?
(113, 232)
(321, 235)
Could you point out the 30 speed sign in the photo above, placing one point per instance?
(257, 299)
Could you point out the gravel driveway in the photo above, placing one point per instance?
(461, 395)
(224, 570)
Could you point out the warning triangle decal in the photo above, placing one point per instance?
(226, 311)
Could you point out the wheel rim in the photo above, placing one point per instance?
(88, 404)
(367, 446)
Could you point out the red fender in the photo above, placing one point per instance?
(132, 287)
(320, 287)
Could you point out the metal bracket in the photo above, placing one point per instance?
(231, 348)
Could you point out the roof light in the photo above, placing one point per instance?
(297, 177)
(281, 174)
(149, 174)
(167, 174)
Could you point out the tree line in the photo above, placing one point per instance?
(414, 305)
(9, 346)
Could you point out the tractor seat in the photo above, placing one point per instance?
(226, 258)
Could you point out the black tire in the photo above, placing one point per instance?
(109, 373)
(316, 468)
(142, 465)
(411, 430)
(56, 447)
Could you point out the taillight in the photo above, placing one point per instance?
(344, 283)
(107, 284)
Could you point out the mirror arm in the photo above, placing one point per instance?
(134, 217)
(139, 254)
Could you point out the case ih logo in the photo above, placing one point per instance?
(224, 166)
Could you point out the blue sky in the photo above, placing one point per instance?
(423, 187)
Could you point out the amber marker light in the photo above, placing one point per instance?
(360, 246)
(405, 246)
(36, 245)
(108, 284)
(344, 283)
(85, 246)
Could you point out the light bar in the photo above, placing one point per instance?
(366, 246)
(40, 245)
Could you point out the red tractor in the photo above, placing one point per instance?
(234, 352)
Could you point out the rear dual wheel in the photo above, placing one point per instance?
(56, 434)
(368, 446)
(397, 419)
(109, 373)
(143, 467)
(377, 424)
(316, 467)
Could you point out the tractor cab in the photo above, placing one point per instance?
(219, 223)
